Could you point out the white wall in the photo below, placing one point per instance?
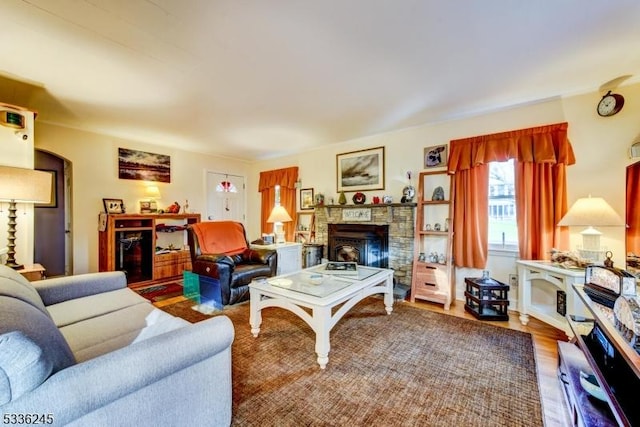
(94, 161)
(600, 144)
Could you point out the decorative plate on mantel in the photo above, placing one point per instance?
(359, 198)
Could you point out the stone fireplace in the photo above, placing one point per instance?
(361, 230)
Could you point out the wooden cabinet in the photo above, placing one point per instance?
(433, 272)
(148, 248)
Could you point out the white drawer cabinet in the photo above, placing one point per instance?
(289, 256)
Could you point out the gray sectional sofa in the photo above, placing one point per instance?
(85, 350)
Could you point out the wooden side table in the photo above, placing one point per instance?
(32, 272)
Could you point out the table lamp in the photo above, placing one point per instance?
(590, 212)
(152, 193)
(279, 215)
(19, 185)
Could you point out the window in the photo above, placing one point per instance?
(503, 228)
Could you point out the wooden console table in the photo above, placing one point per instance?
(559, 279)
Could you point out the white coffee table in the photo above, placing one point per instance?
(295, 291)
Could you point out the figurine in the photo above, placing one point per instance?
(438, 194)
(174, 208)
(408, 192)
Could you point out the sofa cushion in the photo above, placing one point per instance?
(13, 284)
(23, 366)
(114, 330)
(18, 315)
(76, 310)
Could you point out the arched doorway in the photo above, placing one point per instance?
(52, 222)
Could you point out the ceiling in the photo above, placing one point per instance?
(253, 79)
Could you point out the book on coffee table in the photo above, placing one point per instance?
(341, 268)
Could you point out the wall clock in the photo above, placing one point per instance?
(610, 104)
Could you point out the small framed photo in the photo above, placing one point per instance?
(148, 207)
(113, 206)
(145, 207)
(435, 156)
(306, 198)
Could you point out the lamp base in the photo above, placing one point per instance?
(11, 238)
(15, 266)
(595, 256)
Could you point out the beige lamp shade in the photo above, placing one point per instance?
(24, 185)
(152, 192)
(590, 212)
(279, 214)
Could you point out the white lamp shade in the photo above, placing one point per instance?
(24, 185)
(279, 214)
(152, 192)
(591, 211)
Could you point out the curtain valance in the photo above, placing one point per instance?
(285, 177)
(542, 144)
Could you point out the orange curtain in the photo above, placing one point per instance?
(541, 155)
(286, 178)
(470, 241)
(541, 202)
(632, 236)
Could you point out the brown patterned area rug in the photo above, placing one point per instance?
(411, 368)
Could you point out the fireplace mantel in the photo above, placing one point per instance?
(379, 208)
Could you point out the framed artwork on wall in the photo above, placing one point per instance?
(360, 170)
(306, 198)
(435, 156)
(141, 165)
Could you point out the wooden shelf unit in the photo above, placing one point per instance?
(306, 227)
(128, 243)
(434, 280)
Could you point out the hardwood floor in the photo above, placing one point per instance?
(545, 338)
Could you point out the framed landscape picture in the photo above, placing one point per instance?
(141, 165)
(360, 170)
